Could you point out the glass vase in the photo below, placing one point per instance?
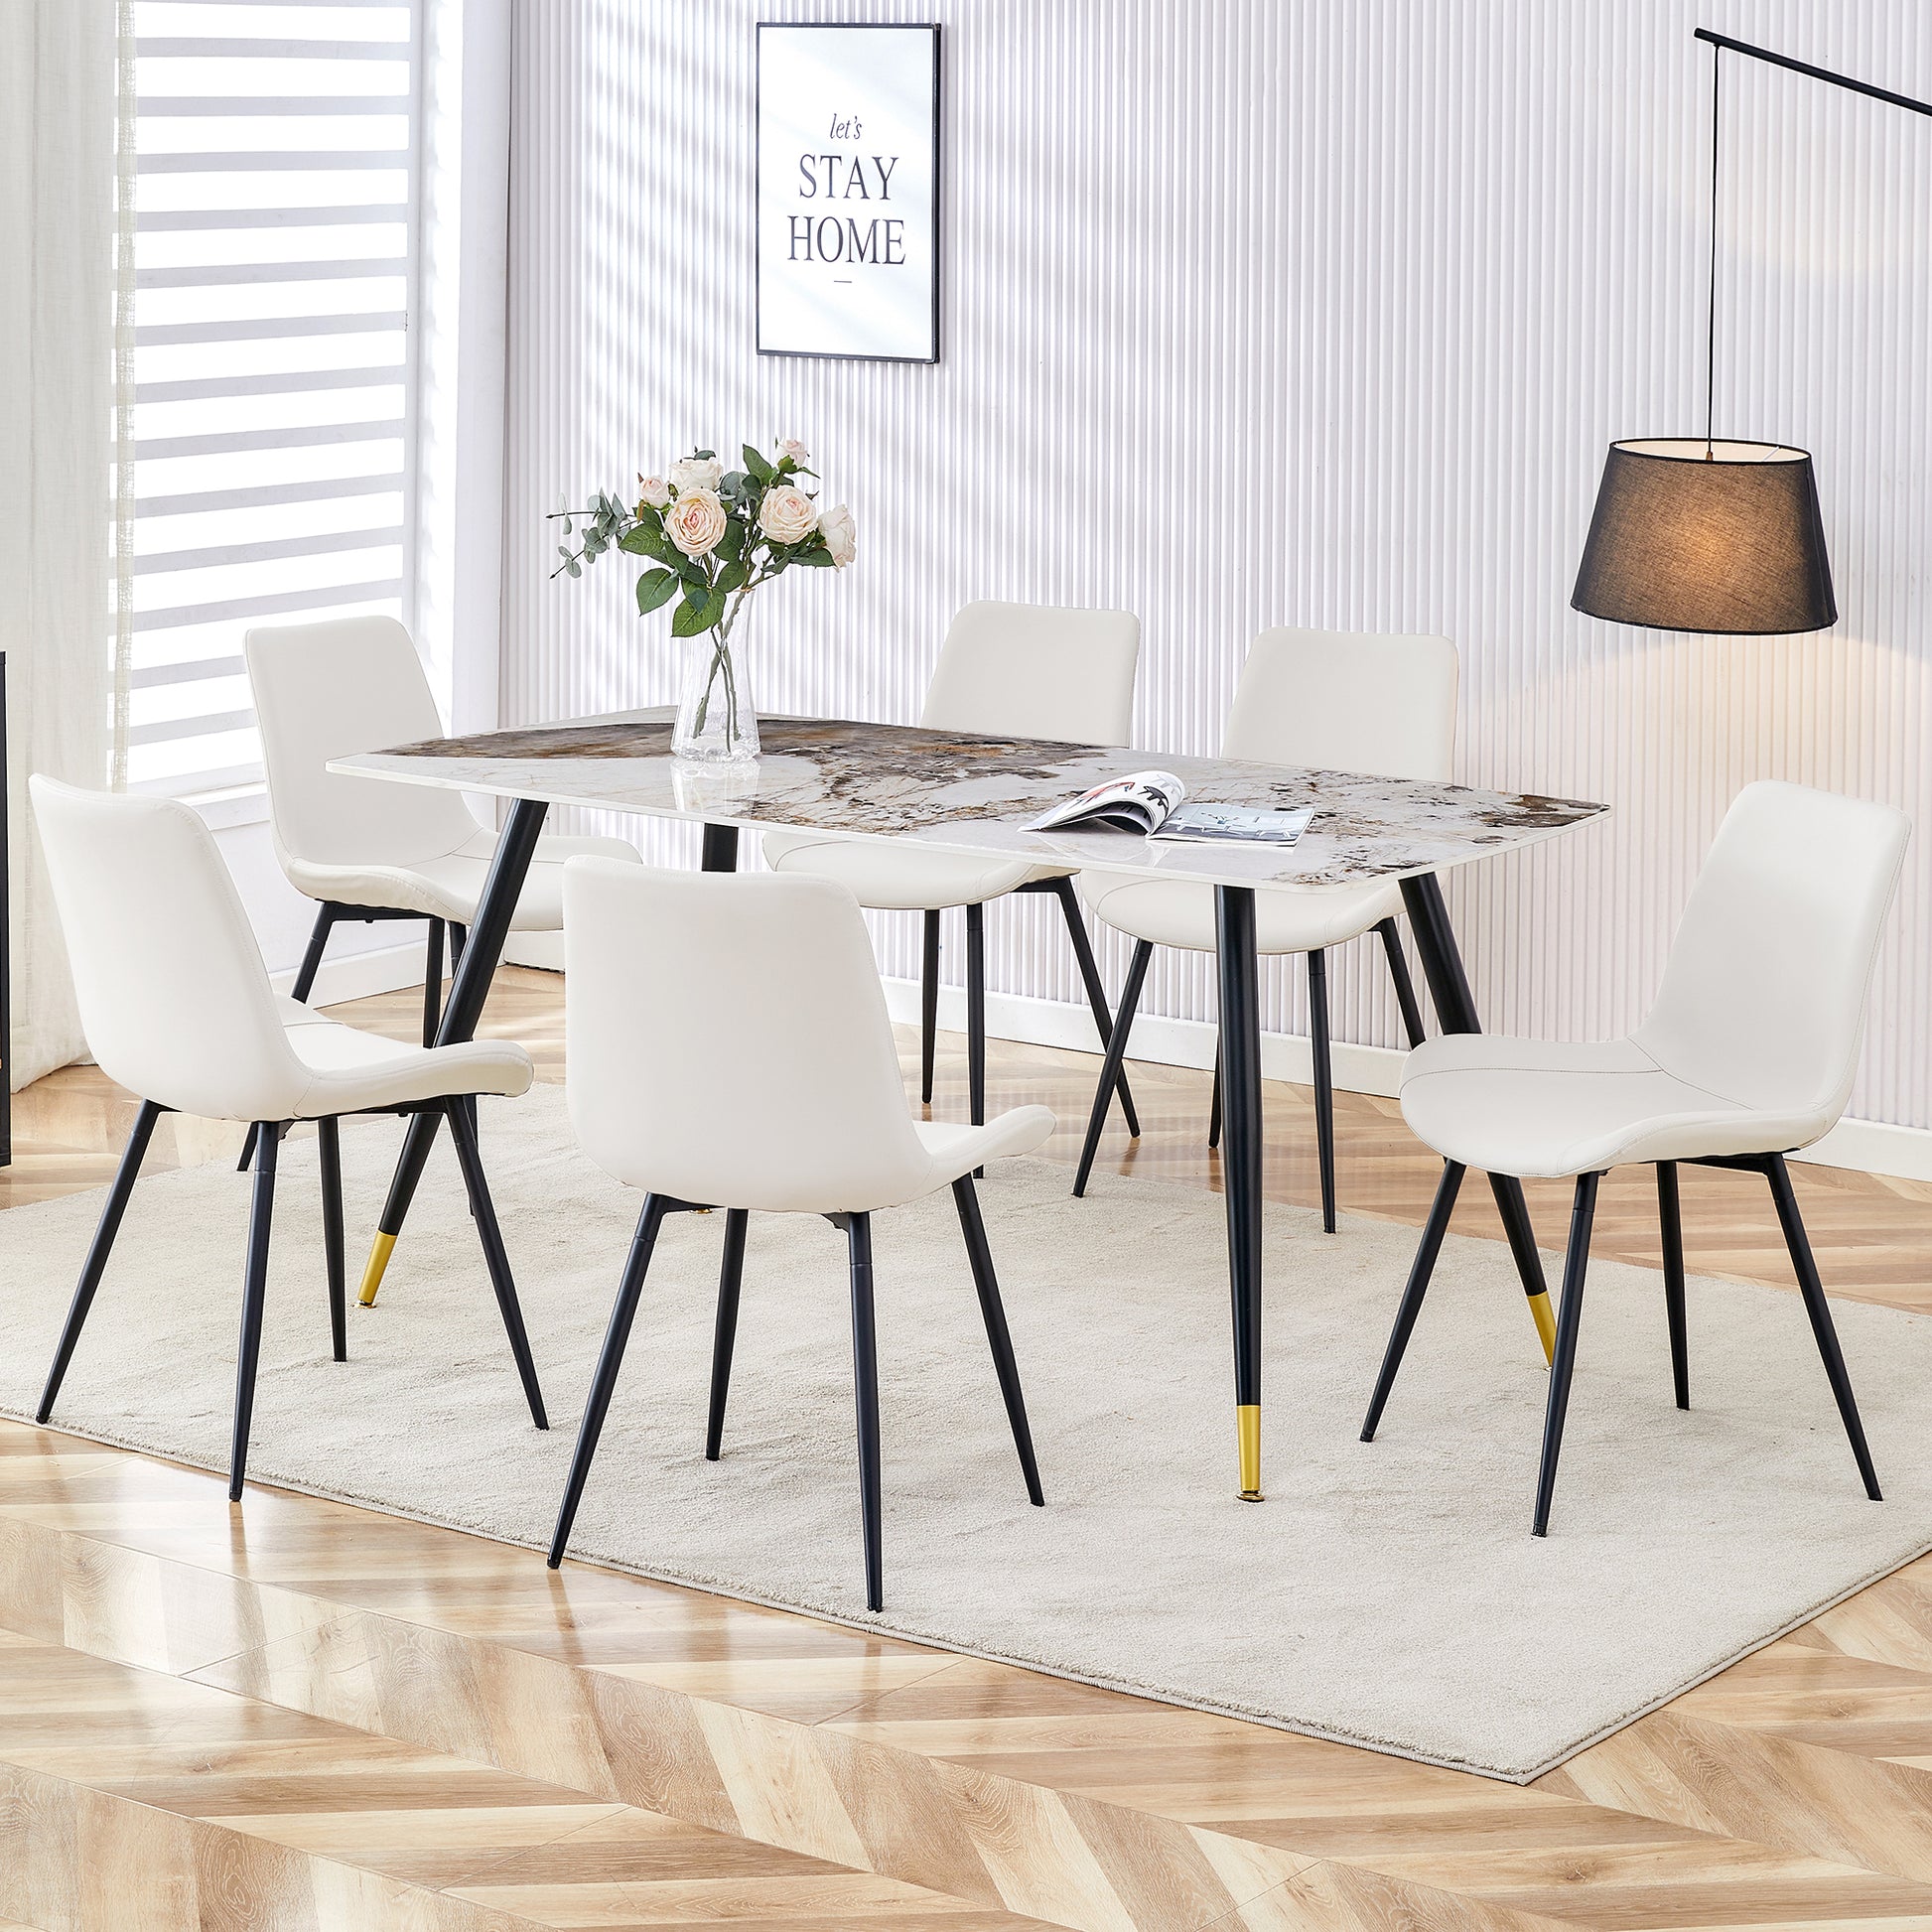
(717, 723)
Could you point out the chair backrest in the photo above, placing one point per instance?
(1031, 670)
(1763, 998)
(727, 1040)
(173, 997)
(1346, 701)
(323, 691)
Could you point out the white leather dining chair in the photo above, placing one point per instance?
(1005, 670)
(1748, 1054)
(728, 1045)
(1328, 700)
(364, 850)
(177, 1007)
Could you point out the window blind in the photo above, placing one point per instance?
(275, 270)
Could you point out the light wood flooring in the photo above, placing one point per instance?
(296, 1713)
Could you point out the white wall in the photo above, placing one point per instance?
(1260, 312)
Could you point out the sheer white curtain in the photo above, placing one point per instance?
(60, 609)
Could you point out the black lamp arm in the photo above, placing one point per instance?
(1816, 74)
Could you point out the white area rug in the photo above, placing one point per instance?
(1387, 1595)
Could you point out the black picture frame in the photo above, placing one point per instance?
(758, 189)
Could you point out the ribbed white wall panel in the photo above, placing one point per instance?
(1262, 313)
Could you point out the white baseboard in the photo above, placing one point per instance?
(544, 951)
(1871, 1146)
(359, 975)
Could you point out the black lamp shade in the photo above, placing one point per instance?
(1690, 535)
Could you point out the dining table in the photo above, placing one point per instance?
(977, 794)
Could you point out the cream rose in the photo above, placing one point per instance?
(787, 515)
(653, 492)
(793, 449)
(695, 473)
(695, 521)
(840, 533)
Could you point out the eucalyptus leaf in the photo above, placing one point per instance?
(575, 568)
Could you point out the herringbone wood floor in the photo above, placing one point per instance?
(298, 1713)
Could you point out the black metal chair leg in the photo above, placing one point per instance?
(254, 1296)
(1096, 990)
(1324, 1084)
(1419, 1271)
(976, 1013)
(462, 1133)
(1569, 1320)
(432, 983)
(1130, 998)
(305, 974)
(865, 1375)
(327, 913)
(458, 938)
(99, 1249)
(1405, 987)
(966, 1199)
(1822, 1326)
(928, 1006)
(329, 1157)
(1670, 1223)
(1214, 1106)
(731, 1275)
(604, 1381)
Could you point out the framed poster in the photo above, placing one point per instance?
(848, 190)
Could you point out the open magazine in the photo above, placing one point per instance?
(1152, 803)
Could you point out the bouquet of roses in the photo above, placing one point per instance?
(715, 535)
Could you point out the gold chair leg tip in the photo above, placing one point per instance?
(379, 1253)
(1247, 1427)
(1546, 1326)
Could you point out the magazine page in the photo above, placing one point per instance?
(1137, 803)
(1236, 825)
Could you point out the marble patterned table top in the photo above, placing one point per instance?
(963, 793)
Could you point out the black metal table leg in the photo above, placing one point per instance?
(1234, 922)
(928, 1006)
(719, 852)
(483, 947)
(433, 982)
(1456, 1011)
(976, 1013)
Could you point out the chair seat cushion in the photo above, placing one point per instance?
(900, 878)
(1536, 1107)
(451, 887)
(958, 1149)
(353, 1070)
(1180, 912)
